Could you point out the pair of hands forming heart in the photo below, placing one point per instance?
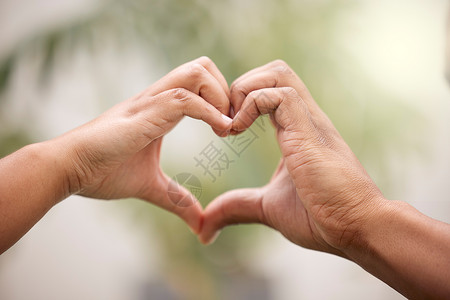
(320, 197)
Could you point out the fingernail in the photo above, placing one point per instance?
(227, 119)
(213, 238)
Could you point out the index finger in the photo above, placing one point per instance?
(201, 77)
(209, 65)
(272, 75)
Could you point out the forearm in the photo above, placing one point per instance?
(407, 250)
(32, 180)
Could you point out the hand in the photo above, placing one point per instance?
(117, 155)
(320, 195)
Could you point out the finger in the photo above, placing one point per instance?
(234, 207)
(240, 89)
(163, 111)
(245, 84)
(200, 78)
(199, 109)
(251, 73)
(287, 107)
(256, 78)
(177, 199)
(238, 98)
(273, 74)
(209, 65)
(186, 206)
(207, 86)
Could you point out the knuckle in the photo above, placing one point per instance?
(280, 66)
(179, 94)
(196, 71)
(237, 88)
(264, 101)
(280, 63)
(204, 61)
(259, 96)
(254, 95)
(291, 97)
(233, 86)
(222, 107)
(289, 93)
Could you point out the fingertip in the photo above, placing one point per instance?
(211, 239)
(225, 126)
(214, 237)
(236, 128)
(222, 133)
(238, 124)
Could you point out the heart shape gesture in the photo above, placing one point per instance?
(320, 196)
(308, 198)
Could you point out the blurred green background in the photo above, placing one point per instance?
(364, 62)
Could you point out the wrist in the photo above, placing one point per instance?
(58, 154)
(381, 217)
(377, 236)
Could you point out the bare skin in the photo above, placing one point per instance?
(114, 156)
(320, 197)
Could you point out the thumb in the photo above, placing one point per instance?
(288, 109)
(233, 207)
(177, 199)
